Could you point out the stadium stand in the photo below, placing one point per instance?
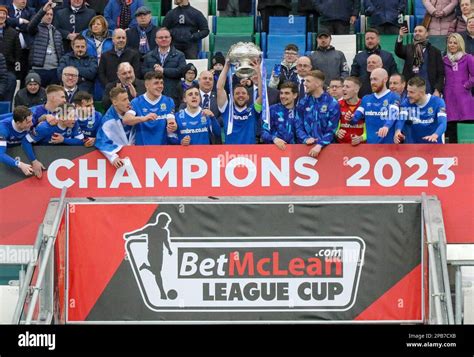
(465, 133)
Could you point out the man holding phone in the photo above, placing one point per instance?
(421, 59)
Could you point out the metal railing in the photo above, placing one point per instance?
(43, 248)
(439, 287)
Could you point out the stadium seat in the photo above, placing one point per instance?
(154, 20)
(346, 44)
(222, 42)
(213, 7)
(5, 107)
(291, 25)
(409, 8)
(465, 133)
(276, 44)
(439, 41)
(205, 41)
(234, 25)
(200, 64)
(360, 24)
(155, 8)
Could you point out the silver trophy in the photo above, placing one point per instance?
(241, 56)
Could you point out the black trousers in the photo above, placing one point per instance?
(335, 27)
(190, 50)
(387, 29)
(272, 11)
(451, 135)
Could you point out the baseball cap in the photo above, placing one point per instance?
(324, 33)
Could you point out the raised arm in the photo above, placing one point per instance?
(221, 93)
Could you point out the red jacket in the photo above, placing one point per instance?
(351, 129)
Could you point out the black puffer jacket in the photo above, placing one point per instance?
(187, 25)
(39, 44)
(10, 47)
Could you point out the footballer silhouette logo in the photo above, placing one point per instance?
(149, 251)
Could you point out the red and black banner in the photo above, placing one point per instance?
(446, 171)
(244, 261)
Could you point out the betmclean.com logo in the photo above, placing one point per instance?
(247, 273)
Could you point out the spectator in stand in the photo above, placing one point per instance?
(189, 80)
(46, 46)
(99, 37)
(347, 132)
(286, 69)
(386, 16)
(442, 14)
(33, 94)
(166, 59)
(217, 64)
(188, 27)
(98, 5)
(69, 79)
(10, 45)
(459, 24)
(335, 88)
(165, 6)
(126, 80)
(237, 8)
(118, 13)
(397, 84)
(72, 20)
(19, 16)
(372, 46)
(7, 81)
(282, 129)
(328, 60)
(317, 115)
(85, 64)
(303, 67)
(110, 60)
(373, 62)
(459, 69)
(421, 59)
(336, 16)
(141, 37)
(269, 8)
(468, 35)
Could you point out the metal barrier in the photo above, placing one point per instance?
(43, 259)
(439, 288)
(459, 256)
(440, 302)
